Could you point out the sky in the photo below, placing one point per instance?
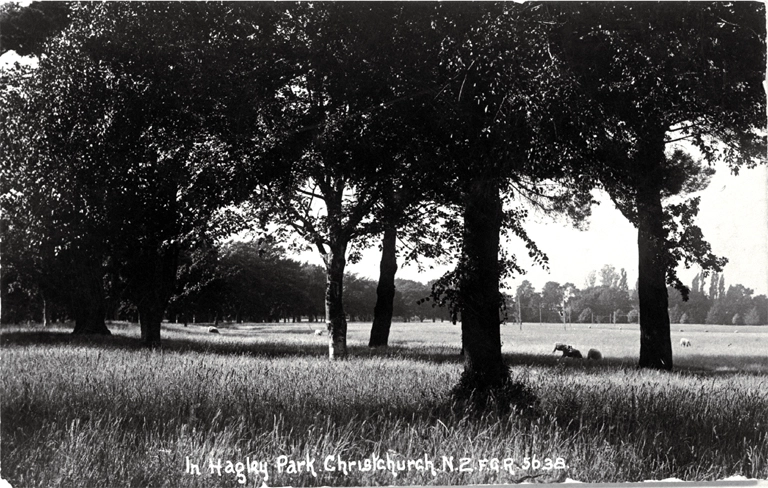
(733, 216)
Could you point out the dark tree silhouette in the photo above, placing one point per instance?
(666, 73)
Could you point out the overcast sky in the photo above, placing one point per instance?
(733, 216)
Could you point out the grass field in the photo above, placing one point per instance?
(264, 398)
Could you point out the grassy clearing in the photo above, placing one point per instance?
(77, 412)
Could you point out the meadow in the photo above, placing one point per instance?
(261, 404)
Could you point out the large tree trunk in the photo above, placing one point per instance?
(385, 292)
(150, 320)
(336, 320)
(479, 295)
(88, 302)
(152, 287)
(655, 342)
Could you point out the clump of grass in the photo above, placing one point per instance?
(79, 413)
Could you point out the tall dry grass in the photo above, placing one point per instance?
(108, 413)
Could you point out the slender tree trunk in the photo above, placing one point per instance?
(655, 342)
(45, 311)
(385, 292)
(479, 295)
(336, 320)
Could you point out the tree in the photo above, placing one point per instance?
(529, 302)
(761, 304)
(714, 280)
(585, 316)
(552, 296)
(343, 116)
(359, 297)
(591, 280)
(608, 276)
(666, 73)
(385, 291)
(120, 125)
(26, 29)
(403, 212)
(510, 129)
(752, 317)
(632, 316)
(717, 313)
(623, 286)
(674, 314)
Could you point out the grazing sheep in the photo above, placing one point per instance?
(685, 342)
(568, 351)
(318, 332)
(594, 354)
(213, 330)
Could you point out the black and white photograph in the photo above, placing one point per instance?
(385, 243)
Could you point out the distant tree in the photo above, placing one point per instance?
(623, 286)
(529, 301)
(738, 300)
(697, 307)
(696, 283)
(585, 316)
(591, 280)
(608, 277)
(737, 319)
(713, 283)
(717, 313)
(197, 283)
(632, 316)
(619, 316)
(552, 299)
(684, 319)
(761, 304)
(752, 317)
(674, 314)
(412, 294)
(359, 298)
(721, 287)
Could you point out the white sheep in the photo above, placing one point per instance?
(318, 332)
(685, 342)
(568, 350)
(594, 354)
(213, 330)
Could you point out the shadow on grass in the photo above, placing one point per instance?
(246, 341)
